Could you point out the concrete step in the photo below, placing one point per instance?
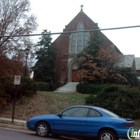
(69, 87)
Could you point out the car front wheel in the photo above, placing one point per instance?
(42, 129)
(107, 135)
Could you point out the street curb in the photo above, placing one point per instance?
(17, 124)
(13, 126)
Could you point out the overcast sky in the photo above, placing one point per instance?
(53, 15)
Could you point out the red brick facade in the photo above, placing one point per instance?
(65, 60)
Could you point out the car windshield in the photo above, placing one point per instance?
(109, 113)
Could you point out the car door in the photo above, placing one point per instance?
(72, 121)
(94, 122)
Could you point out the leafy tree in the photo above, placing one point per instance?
(100, 68)
(103, 68)
(130, 75)
(10, 67)
(44, 67)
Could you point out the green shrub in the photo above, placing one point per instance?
(52, 87)
(4, 99)
(43, 86)
(111, 88)
(82, 87)
(87, 88)
(94, 88)
(123, 101)
(7, 85)
(27, 87)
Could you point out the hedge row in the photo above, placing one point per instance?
(42, 86)
(27, 88)
(122, 100)
(87, 88)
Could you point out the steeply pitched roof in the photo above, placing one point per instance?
(81, 17)
(89, 24)
(137, 62)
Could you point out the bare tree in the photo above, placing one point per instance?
(15, 19)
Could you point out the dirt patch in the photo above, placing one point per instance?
(26, 108)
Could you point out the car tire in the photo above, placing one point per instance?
(107, 135)
(42, 129)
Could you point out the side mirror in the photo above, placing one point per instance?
(59, 114)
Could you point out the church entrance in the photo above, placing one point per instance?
(76, 77)
(73, 74)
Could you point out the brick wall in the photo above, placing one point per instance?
(61, 44)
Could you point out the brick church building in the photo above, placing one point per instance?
(69, 45)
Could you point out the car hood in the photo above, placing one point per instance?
(43, 116)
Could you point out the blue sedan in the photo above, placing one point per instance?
(83, 121)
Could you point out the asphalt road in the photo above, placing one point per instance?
(10, 134)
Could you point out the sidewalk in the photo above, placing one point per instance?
(17, 124)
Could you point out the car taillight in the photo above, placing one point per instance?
(129, 124)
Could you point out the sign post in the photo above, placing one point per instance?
(17, 79)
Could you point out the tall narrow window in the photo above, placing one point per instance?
(73, 43)
(86, 39)
(79, 40)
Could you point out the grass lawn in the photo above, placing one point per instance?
(43, 103)
(58, 101)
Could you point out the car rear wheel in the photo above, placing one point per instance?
(107, 135)
(42, 129)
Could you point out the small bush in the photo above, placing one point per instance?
(52, 87)
(94, 88)
(87, 88)
(82, 88)
(43, 86)
(27, 87)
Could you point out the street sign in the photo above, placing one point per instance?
(17, 79)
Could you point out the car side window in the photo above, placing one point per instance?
(76, 112)
(93, 113)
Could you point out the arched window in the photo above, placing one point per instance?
(80, 26)
(79, 40)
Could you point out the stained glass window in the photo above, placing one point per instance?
(79, 40)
